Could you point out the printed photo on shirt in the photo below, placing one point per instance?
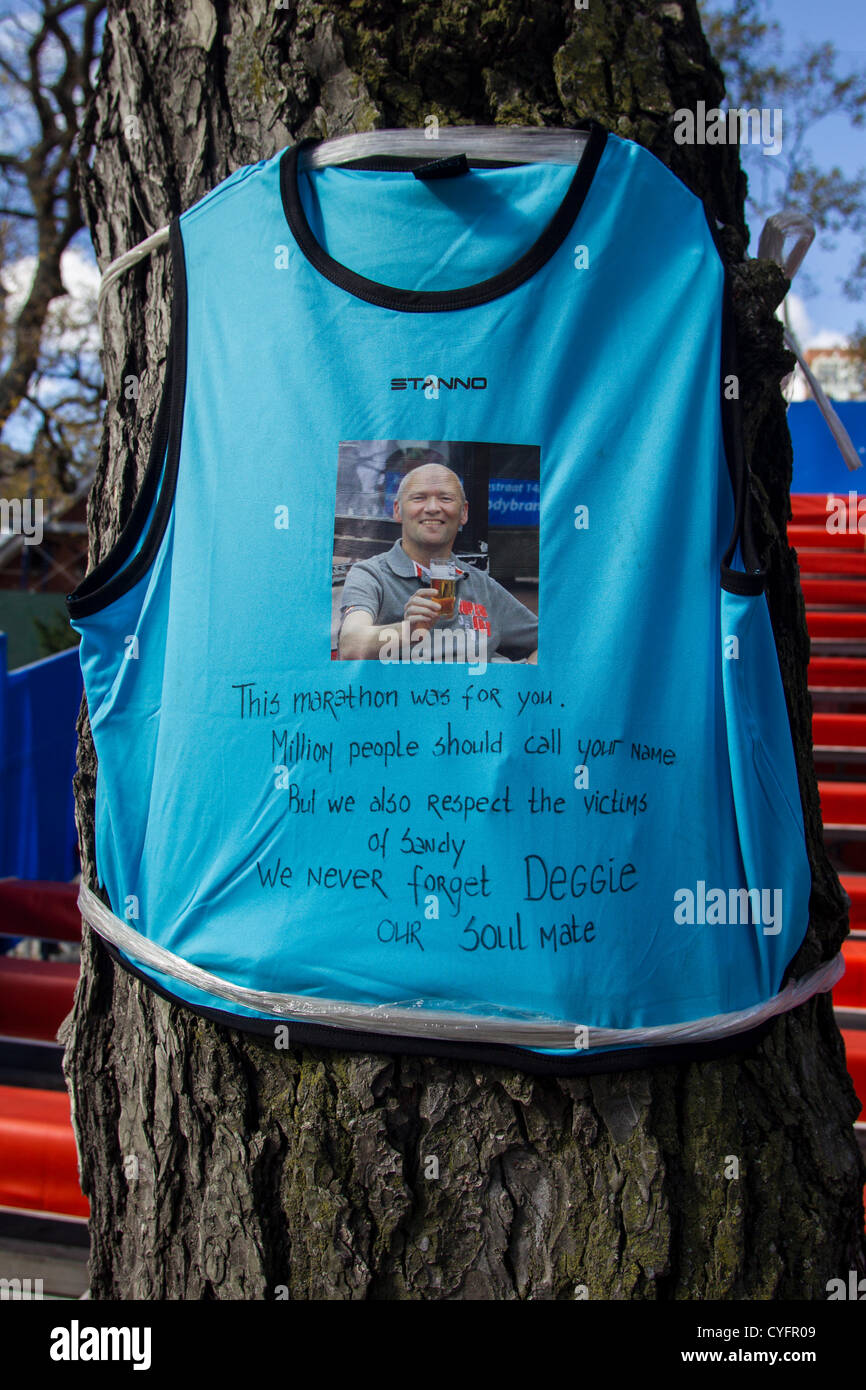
(435, 551)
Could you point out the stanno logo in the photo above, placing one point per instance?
(75, 1343)
(445, 383)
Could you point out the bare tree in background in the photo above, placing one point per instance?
(807, 86)
(303, 1171)
(48, 371)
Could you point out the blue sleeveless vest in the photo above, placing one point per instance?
(575, 844)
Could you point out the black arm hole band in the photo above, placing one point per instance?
(108, 580)
(753, 579)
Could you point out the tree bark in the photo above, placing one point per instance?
(301, 1174)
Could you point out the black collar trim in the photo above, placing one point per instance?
(431, 301)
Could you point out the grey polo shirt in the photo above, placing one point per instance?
(383, 584)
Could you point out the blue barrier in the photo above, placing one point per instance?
(38, 711)
(818, 464)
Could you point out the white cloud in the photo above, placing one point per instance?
(804, 329)
(797, 317)
(79, 272)
(827, 338)
(72, 316)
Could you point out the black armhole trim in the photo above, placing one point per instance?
(495, 1054)
(108, 579)
(753, 579)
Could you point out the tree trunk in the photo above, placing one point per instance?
(302, 1174)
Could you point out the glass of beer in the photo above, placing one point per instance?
(443, 578)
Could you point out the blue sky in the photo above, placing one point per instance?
(834, 142)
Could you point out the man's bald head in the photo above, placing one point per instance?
(429, 474)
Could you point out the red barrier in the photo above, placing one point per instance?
(843, 627)
(843, 803)
(38, 1163)
(812, 507)
(813, 535)
(855, 1053)
(839, 730)
(837, 672)
(839, 561)
(842, 593)
(850, 992)
(35, 997)
(855, 887)
(42, 909)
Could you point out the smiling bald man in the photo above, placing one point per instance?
(392, 594)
